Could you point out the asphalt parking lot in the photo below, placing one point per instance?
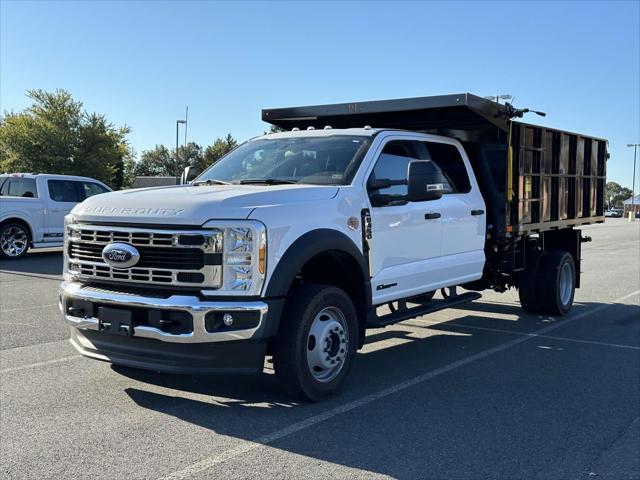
(482, 391)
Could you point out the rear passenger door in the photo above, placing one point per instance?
(463, 214)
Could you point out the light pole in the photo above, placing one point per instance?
(632, 215)
(186, 124)
(178, 122)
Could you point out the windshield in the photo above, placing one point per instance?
(330, 160)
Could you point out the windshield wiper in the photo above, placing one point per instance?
(211, 181)
(265, 181)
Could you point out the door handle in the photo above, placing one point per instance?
(477, 212)
(431, 216)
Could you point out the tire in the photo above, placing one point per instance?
(528, 284)
(556, 283)
(14, 240)
(315, 315)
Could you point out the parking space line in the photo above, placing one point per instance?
(533, 335)
(39, 364)
(270, 438)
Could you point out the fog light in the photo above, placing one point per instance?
(229, 321)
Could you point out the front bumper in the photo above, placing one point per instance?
(198, 309)
(149, 347)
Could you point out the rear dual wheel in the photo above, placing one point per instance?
(528, 284)
(556, 283)
(548, 285)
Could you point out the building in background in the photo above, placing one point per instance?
(630, 206)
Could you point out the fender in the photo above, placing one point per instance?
(20, 217)
(14, 215)
(304, 249)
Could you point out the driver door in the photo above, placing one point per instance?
(406, 236)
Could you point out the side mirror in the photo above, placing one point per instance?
(189, 174)
(425, 181)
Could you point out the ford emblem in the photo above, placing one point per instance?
(120, 255)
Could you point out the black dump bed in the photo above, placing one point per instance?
(542, 179)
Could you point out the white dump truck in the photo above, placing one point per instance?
(288, 245)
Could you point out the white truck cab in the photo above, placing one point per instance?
(33, 207)
(288, 245)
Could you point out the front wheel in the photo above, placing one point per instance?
(14, 241)
(316, 344)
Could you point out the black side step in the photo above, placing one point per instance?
(374, 321)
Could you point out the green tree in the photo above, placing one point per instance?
(616, 194)
(129, 165)
(190, 155)
(162, 162)
(218, 149)
(55, 135)
(159, 161)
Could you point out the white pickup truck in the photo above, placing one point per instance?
(289, 245)
(33, 207)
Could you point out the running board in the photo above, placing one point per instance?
(375, 321)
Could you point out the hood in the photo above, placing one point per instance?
(191, 205)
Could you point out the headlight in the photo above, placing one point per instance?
(244, 258)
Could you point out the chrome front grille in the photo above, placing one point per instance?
(150, 257)
(189, 258)
(140, 237)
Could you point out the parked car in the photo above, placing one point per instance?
(614, 213)
(33, 207)
(290, 243)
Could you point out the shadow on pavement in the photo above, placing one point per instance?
(528, 409)
(35, 262)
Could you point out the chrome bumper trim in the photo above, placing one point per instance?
(196, 307)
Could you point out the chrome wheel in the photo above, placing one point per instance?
(14, 241)
(327, 344)
(566, 283)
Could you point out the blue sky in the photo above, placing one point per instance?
(140, 63)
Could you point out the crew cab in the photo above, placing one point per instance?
(290, 244)
(33, 207)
